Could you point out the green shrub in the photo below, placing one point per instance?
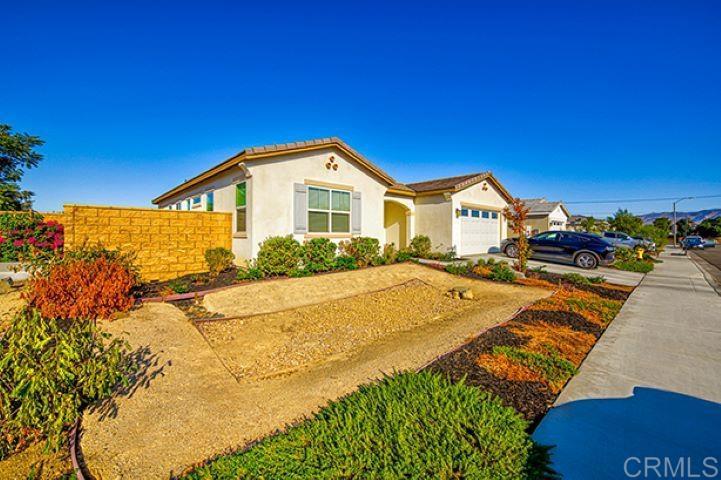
(51, 370)
(597, 279)
(640, 266)
(390, 254)
(363, 249)
(501, 272)
(421, 246)
(219, 259)
(299, 272)
(178, 286)
(249, 273)
(552, 366)
(412, 425)
(279, 256)
(319, 254)
(345, 262)
(459, 268)
(578, 279)
(404, 255)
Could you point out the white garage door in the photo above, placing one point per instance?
(480, 231)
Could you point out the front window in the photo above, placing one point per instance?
(328, 210)
(196, 202)
(209, 199)
(240, 207)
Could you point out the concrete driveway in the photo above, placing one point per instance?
(612, 275)
(650, 389)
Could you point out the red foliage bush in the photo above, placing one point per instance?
(83, 288)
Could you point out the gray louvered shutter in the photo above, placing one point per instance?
(356, 214)
(300, 208)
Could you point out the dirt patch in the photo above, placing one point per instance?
(278, 343)
(196, 282)
(605, 290)
(35, 463)
(10, 304)
(288, 293)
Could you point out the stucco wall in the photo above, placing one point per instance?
(167, 243)
(477, 197)
(433, 219)
(270, 194)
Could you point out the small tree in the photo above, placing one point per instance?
(17, 154)
(684, 227)
(625, 221)
(663, 224)
(516, 214)
(588, 224)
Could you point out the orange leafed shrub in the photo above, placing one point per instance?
(535, 282)
(83, 288)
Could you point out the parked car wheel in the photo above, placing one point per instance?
(586, 260)
(512, 251)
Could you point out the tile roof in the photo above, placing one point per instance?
(449, 183)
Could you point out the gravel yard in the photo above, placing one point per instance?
(278, 343)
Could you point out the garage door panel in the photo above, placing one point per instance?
(480, 232)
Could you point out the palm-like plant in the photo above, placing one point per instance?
(588, 224)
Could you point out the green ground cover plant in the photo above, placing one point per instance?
(551, 365)
(411, 425)
(578, 279)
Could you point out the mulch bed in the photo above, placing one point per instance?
(531, 398)
(197, 282)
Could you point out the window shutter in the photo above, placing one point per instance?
(356, 213)
(300, 208)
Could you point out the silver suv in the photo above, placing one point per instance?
(620, 239)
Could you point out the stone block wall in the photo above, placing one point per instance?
(167, 243)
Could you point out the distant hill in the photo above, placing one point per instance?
(695, 217)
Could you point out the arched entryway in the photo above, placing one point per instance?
(397, 223)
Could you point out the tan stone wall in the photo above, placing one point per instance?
(57, 216)
(167, 243)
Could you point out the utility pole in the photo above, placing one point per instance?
(675, 229)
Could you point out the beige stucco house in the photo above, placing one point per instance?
(544, 215)
(324, 188)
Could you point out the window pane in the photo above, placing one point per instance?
(340, 222)
(485, 214)
(317, 221)
(341, 201)
(240, 220)
(209, 202)
(475, 213)
(494, 215)
(464, 212)
(240, 199)
(196, 200)
(318, 198)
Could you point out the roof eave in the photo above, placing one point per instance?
(245, 156)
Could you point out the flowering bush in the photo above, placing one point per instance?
(25, 234)
(90, 282)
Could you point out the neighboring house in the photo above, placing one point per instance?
(544, 215)
(324, 188)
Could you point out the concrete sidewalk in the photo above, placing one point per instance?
(650, 388)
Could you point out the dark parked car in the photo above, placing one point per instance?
(586, 250)
(693, 241)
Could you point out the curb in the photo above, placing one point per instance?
(74, 443)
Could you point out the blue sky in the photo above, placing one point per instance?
(569, 100)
